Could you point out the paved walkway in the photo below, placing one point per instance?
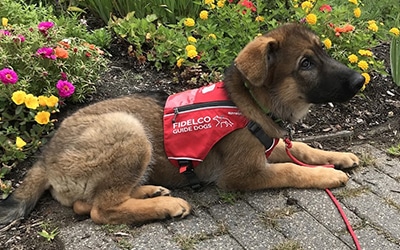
(274, 219)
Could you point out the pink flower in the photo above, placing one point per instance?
(65, 88)
(46, 52)
(325, 8)
(19, 39)
(44, 26)
(5, 33)
(8, 76)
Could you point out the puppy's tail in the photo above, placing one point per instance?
(21, 202)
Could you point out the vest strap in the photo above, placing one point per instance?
(258, 132)
(186, 168)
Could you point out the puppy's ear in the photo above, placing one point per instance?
(254, 59)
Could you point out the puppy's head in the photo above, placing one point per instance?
(290, 69)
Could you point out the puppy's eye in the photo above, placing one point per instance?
(305, 64)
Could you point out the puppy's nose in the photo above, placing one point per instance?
(356, 82)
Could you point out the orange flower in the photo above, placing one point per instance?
(61, 52)
(90, 46)
(64, 44)
(346, 28)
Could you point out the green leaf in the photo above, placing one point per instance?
(395, 60)
(75, 9)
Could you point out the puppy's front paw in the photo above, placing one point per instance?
(332, 178)
(177, 207)
(345, 161)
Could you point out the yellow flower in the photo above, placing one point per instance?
(357, 12)
(395, 31)
(42, 100)
(260, 19)
(367, 78)
(190, 47)
(4, 21)
(221, 3)
(353, 58)
(365, 52)
(203, 15)
(31, 101)
(354, 2)
(328, 43)
(51, 101)
(363, 65)
(18, 97)
(208, 2)
(192, 54)
(42, 117)
(191, 39)
(213, 36)
(311, 19)
(306, 6)
(372, 26)
(189, 22)
(179, 62)
(19, 142)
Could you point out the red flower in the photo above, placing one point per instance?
(325, 8)
(248, 4)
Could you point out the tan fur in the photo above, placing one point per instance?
(101, 156)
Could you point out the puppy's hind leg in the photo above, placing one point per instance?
(120, 165)
(112, 207)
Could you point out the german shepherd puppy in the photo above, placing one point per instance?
(101, 158)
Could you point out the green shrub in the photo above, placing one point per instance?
(213, 37)
(41, 67)
(18, 12)
(168, 11)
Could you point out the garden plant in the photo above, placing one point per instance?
(42, 67)
(210, 39)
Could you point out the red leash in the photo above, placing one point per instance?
(333, 198)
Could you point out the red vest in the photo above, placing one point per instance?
(195, 120)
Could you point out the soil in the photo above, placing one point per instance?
(370, 117)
